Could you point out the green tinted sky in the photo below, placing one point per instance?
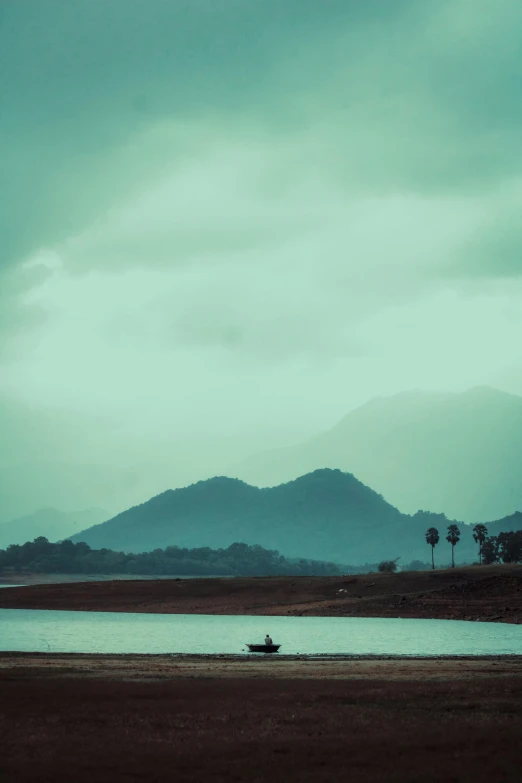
(248, 216)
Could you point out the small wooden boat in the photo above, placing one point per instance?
(264, 648)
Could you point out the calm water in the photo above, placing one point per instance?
(112, 632)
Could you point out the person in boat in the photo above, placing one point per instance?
(268, 640)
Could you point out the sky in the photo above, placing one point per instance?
(225, 224)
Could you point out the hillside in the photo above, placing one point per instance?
(456, 453)
(48, 522)
(326, 515)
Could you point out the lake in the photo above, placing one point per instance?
(30, 630)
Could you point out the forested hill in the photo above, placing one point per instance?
(327, 515)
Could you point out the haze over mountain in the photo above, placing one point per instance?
(327, 515)
(227, 223)
(58, 458)
(48, 522)
(460, 454)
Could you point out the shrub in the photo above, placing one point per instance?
(387, 566)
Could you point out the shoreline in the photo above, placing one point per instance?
(474, 593)
(161, 666)
(340, 657)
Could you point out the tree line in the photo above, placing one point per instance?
(504, 548)
(66, 557)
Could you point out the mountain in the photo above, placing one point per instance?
(457, 453)
(48, 522)
(327, 515)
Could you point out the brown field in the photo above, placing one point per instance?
(491, 593)
(120, 719)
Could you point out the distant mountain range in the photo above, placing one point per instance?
(326, 515)
(49, 522)
(460, 454)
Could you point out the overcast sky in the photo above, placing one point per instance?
(240, 219)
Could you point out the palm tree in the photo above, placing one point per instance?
(432, 538)
(480, 533)
(453, 538)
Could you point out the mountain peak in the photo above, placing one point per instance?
(326, 475)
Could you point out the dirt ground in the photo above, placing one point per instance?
(488, 593)
(120, 719)
(168, 667)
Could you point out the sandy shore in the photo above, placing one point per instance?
(487, 593)
(170, 667)
(124, 719)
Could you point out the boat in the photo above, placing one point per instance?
(264, 648)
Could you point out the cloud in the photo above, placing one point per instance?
(252, 248)
(166, 133)
(224, 196)
(410, 95)
(495, 252)
(18, 317)
(85, 79)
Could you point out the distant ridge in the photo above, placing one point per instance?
(461, 453)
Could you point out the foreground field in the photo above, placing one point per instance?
(490, 593)
(135, 718)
